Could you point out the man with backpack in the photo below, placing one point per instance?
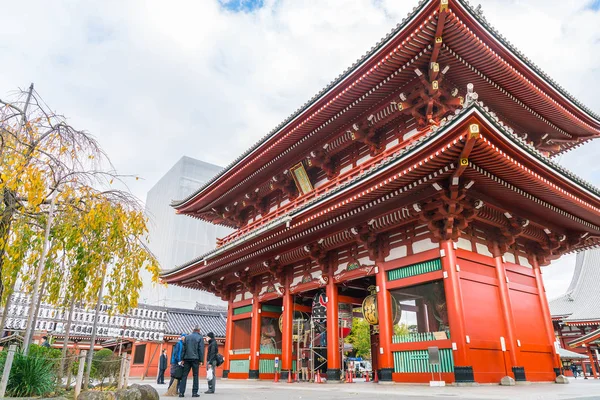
(212, 361)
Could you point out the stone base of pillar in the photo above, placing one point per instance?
(334, 375)
(385, 374)
(464, 374)
(253, 374)
(519, 373)
(225, 374)
(557, 371)
(561, 379)
(284, 375)
(507, 381)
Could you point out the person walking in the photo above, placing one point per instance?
(176, 368)
(574, 370)
(193, 357)
(45, 343)
(162, 366)
(211, 361)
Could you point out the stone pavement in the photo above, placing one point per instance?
(262, 390)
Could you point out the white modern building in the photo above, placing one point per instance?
(175, 239)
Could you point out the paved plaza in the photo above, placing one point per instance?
(250, 390)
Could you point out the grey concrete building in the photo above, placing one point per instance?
(175, 239)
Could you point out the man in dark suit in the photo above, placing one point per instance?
(193, 357)
(162, 366)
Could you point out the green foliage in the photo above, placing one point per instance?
(360, 338)
(401, 330)
(105, 364)
(29, 375)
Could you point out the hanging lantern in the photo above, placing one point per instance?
(369, 308)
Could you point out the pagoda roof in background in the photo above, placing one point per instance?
(581, 303)
(183, 321)
(477, 53)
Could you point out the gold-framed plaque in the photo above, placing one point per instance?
(301, 178)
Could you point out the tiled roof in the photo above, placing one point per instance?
(581, 302)
(475, 12)
(183, 321)
(419, 144)
(569, 355)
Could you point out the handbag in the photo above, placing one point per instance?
(219, 359)
(176, 371)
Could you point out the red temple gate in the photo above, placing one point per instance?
(399, 177)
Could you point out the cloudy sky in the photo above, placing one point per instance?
(156, 80)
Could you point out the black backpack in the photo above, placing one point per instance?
(220, 360)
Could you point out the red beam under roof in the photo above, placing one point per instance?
(509, 82)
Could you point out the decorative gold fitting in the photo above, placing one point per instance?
(352, 135)
(443, 5)
(438, 39)
(435, 67)
(464, 162)
(462, 100)
(474, 130)
(435, 85)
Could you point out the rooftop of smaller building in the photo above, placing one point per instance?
(183, 321)
(581, 302)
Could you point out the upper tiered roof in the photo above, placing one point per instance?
(535, 107)
(581, 303)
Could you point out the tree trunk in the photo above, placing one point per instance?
(90, 355)
(38, 278)
(66, 340)
(10, 206)
(36, 313)
(6, 308)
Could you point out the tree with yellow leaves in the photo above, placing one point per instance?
(63, 228)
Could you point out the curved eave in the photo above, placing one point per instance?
(478, 110)
(362, 66)
(529, 68)
(589, 338)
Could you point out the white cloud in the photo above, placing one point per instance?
(155, 80)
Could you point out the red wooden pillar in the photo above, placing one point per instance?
(385, 359)
(228, 339)
(333, 330)
(546, 311)
(591, 356)
(255, 339)
(463, 371)
(511, 341)
(286, 334)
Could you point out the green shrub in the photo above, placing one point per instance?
(105, 364)
(30, 376)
